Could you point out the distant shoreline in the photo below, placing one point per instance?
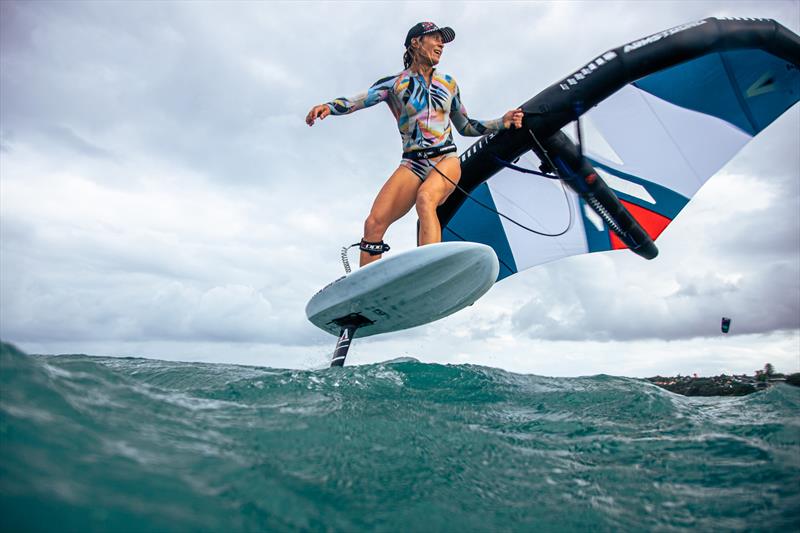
(737, 385)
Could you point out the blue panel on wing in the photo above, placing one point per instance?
(475, 223)
(702, 85)
(747, 88)
(769, 85)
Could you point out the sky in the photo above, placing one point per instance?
(161, 195)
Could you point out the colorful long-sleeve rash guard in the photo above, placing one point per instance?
(424, 113)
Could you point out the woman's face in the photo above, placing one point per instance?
(431, 47)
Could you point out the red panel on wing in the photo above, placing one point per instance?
(652, 222)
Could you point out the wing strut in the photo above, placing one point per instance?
(581, 177)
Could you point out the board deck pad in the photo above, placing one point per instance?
(406, 289)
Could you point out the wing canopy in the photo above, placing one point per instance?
(659, 120)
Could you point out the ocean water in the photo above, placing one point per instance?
(109, 444)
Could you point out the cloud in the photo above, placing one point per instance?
(595, 301)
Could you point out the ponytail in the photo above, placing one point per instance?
(408, 58)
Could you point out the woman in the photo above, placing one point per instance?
(424, 102)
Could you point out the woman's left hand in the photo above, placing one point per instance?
(513, 118)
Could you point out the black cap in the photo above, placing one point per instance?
(424, 28)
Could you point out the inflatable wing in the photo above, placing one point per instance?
(659, 117)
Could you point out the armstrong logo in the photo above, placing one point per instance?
(635, 45)
(573, 80)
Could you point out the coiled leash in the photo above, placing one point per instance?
(372, 248)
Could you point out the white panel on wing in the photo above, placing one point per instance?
(663, 143)
(706, 141)
(600, 147)
(625, 186)
(540, 204)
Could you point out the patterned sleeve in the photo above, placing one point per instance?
(469, 127)
(379, 92)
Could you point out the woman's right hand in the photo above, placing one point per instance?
(513, 118)
(317, 112)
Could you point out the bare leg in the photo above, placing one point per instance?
(431, 195)
(394, 200)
